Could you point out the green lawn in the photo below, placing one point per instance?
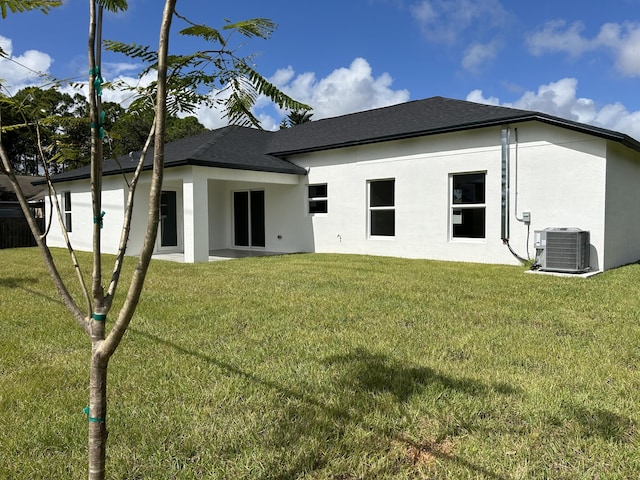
(328, 366)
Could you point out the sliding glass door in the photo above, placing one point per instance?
(248, 218)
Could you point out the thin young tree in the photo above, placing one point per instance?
(189, 79)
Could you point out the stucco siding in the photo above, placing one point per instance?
(559, 177)
(623, 207)
(421, 170)
(81, 235)
(219, 215)
(139, 217)
(556, 175)
(285, 229)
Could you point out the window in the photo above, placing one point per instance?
(382, 211)
(66, 209)
(318, 201)
(468, 205)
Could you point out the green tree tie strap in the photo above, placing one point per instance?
(99, 317)
(86, 411)
(100, 131)
(97, 220)
(100, 124)
(97, 81)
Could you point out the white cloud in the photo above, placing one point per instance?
(455, 22)
(560, 99)
(113, 69)
(444, 21)
(628, 52)
(623, 41)
(17, 72)
(345, 90)
(478, 55)
(124, 96)
(6, 44)
(556, 36)
(477, 96)
(210, 118)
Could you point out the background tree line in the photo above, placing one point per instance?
(61, 123)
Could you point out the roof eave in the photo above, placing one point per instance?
(612, 135)
(528, 116)
(183, 163)
(294, 170)
(402, 136)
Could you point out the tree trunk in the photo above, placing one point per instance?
(97, 413)
(103, 347)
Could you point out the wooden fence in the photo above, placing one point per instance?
(14, 230)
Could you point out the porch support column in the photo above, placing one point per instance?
(196, 218)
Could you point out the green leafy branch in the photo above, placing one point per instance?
(213, 77)
(20, 6)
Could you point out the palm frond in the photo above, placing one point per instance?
(255, 27)
(238, 109)
(272, 92)
(11, 128)
(206, 33)
(114, 5)
(132, 50)
(20, 6)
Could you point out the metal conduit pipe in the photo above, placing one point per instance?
(505, 136)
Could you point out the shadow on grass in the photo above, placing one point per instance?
(17, 282)
(23, 283)
(305, 416)
(601, 423)
(375, 372)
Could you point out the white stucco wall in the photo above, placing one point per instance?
(563, 178)
(622, 232)
(560, 180)
(219, 215)
(199, 229)
(284, 204)
(286, 228)
(81, 236)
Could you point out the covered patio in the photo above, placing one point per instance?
(216, 255)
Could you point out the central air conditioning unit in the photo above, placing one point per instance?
(562, 250)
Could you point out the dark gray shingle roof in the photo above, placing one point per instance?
(250, 149)
(413, 119)
(26, 182)
(229, 147)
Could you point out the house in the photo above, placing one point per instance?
(14, 229)
(436, 178)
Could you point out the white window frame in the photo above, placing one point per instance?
(381, 208)
(66, 211)
(319, 199)
(457, 217)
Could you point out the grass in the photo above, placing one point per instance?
(331, 367)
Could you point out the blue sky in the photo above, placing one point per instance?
(575, 59)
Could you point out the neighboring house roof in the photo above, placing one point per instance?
(228, 147)
(413, 119)
(251, 149)
(26, 183)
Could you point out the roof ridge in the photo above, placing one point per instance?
(418, 118)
